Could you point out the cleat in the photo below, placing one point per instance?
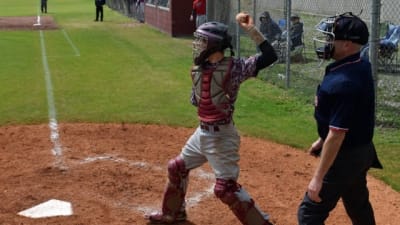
(159, 218)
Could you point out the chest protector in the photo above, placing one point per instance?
(211, 90)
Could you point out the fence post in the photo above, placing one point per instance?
(238, 32)
(288, 14)
(254, 10)
(374, 39)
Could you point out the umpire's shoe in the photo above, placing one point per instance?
(159, 218)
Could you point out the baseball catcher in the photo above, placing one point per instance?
(216, 80)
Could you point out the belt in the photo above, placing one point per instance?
(210, 128)
(218, 122)
(214, 126)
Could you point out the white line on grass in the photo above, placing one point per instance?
(54, 134)
(71, 43)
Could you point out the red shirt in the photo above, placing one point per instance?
(199, 6)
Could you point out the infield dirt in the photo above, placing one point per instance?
(115, 173)
(28, 23)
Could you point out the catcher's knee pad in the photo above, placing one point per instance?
(240, 202)
(226, 191)
(177, 171)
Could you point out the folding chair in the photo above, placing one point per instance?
(282, 24)
(297, 54)
(388, 48)
(280, 47)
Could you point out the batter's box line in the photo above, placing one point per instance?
(111, 158)
(192, 200)
(198, 172)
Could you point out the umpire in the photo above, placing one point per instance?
(345, 116)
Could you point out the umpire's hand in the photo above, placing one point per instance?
(316, 147)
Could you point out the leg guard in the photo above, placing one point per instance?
(239, 201)
(173, 205)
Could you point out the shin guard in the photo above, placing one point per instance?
(174, 195)
(241, 204)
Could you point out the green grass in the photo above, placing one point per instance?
(23, 96)
(131, 72)
(19, 8)
(388, 145)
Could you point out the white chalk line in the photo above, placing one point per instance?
(66, 36)
(192, 200)
(77, 53)
(53, 125)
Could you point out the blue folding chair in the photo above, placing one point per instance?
(282, 24)
(388, 48)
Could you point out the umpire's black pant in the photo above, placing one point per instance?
(99, 13)
(346, 179)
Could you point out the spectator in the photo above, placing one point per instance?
(199, 12)
(99, 9)
(296, 37)
(269, 28)
(43, 6)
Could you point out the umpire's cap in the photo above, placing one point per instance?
(350, 27)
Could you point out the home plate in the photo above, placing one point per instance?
(50, 208)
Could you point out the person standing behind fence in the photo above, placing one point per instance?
(43, 6)
(199, 12)
(140, 10)
(345, 116)
(99, 9)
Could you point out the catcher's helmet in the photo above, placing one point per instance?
(209, 38)
(342, 27)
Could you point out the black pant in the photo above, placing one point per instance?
(346, 179)
(99, 12)
(43, 7)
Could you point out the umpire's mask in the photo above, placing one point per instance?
(342, 27)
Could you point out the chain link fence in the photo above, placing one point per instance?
(302, 76)
(126, 7)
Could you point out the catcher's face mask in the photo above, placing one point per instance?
(210, 37)
(200, 44)
(342, 27)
